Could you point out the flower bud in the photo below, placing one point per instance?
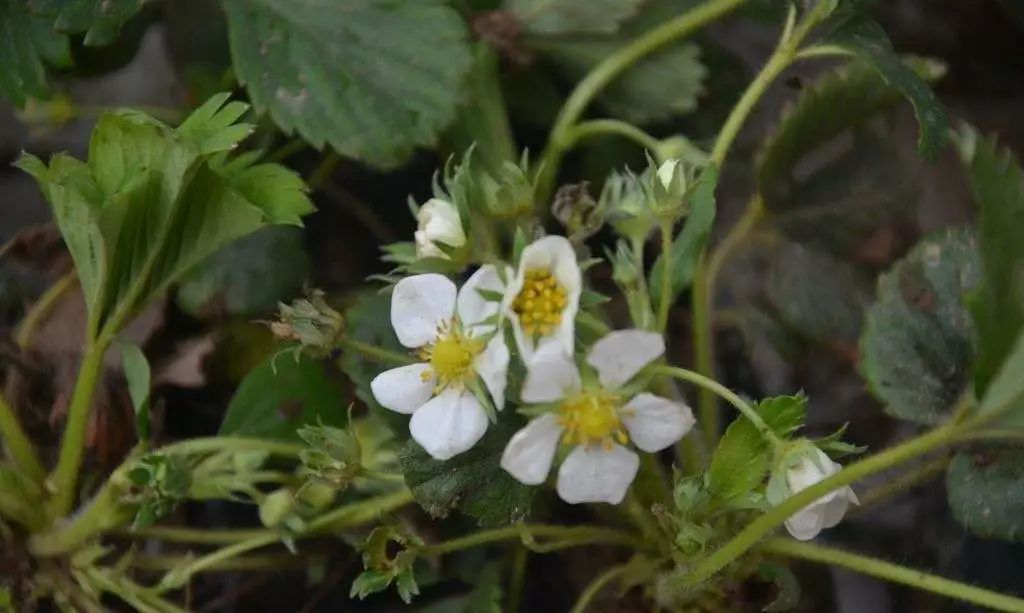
(276, 508)
(310, 321)
(667, 189)
(508, 194)
(438, 223)
(803, 465)
(625, 204)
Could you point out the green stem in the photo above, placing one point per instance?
(354, 514)
(324, 170)
(763, 525)
(64, 480)
(728, 395)
(604, 127)
(569, 536)
(375, 353)
(895, 573)
(594, 588)
(733, 240)
(665, 303)
(270, 561)
(36, 315)
(18, 444)
(701, 295)
(195, 536)
(520, 559)
(214, 444)
(102, 513)
(286, 150)
(613, 65)
(902, 484)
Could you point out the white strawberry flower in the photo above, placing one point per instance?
(543, 297)
(596, 420)
(438, 221)
(460, 344)
(799, 469)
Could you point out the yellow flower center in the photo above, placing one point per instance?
(591, 417)
(451, 357)
(540, 303)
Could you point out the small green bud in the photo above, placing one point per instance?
(625, 204)
(276, 508)
(317, 496)
(510, 193)
(310, 321)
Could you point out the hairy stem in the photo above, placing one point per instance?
(566, 536)
(895, 573)
(763, 525)
(594, 587)
(373, 352)
(64, 479)
(665, 301)
(613, 65)
(604, 127)
(728, 395)
(702, 293)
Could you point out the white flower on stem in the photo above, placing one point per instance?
(542, 299)
(459, 343)
(597, 421)
(438, 221)
(669, 172)
(801, 468)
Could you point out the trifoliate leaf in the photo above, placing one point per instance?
(868, 40)
(153, 201)
(472, 482)
(542, 17)
(838, 101)
(29, 45)
(917, 344)
(282, 395)
(986, 492)
(998, 306)
(372, 78)
(100, 20)
(689, 243)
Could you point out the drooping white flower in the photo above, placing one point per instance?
(459, 342)
(597, 420)
(542, 299)
(799, 470)
(438, 221)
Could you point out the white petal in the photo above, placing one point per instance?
(449, 424)
(419, 305)
(472, 307)
(619, 355)
(667, 171)
(530, 451)
(438, 222)
(555, 254)
(654, 422)
(805, 524)
(492, 366)
(403, 389)
(591, 474)
(551, 375)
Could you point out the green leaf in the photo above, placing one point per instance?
(152, 202)
(819, 297)
(688, 244)
(547, 17)
(472, 482)
(868, 40)
(100, 20)
(657, 87)
(917, 344)
(998, 306)
(136, 371)
(487, 591)
(835, 103)
(283, 394)
(30, 44)
(787, 586)
(742, 458)
(986, 492)
(249, 276)
(372, 78)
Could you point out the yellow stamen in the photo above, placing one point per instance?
(540, 303)
(591, 417)
(451, 357)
